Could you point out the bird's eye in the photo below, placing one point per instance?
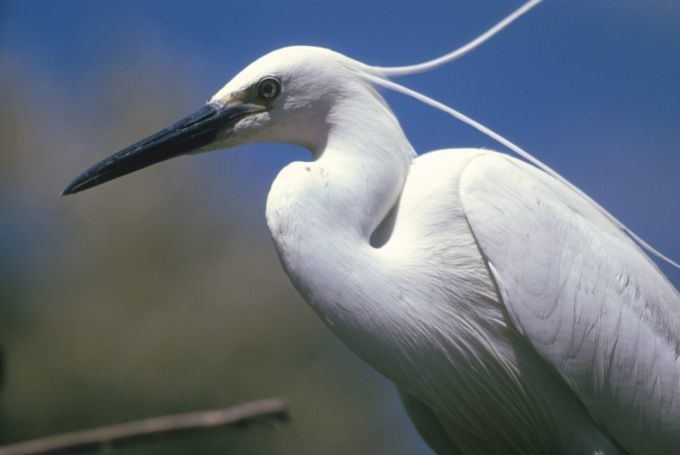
(269, 88)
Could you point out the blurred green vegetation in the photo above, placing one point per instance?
(151, 295)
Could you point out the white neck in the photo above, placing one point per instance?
(365, 164)
(359, 169)
(322, 213)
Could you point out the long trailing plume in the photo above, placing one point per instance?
(382, 79)
(454, 55)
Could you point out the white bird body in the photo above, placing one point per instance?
(496, 298)
(514, 315)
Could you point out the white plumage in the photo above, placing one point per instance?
(513, 313)
(493, 295)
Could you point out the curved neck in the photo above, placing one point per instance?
(322, 214)
(364, 159)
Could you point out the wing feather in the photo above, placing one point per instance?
(587, 298)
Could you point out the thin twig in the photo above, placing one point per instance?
(240, 415)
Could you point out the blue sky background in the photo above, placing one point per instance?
(592, 88)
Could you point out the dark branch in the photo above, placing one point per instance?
(236, 416)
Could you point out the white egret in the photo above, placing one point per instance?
(514, 314)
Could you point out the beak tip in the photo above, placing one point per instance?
(73, 187)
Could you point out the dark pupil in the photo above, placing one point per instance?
(268, 89)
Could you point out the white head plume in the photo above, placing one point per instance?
(454, 55)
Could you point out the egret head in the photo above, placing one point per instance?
(288, 96)
(285, 96)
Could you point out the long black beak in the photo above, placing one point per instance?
(198, 130)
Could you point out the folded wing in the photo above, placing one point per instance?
(588, 299)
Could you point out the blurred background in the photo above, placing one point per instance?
(161, 292)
